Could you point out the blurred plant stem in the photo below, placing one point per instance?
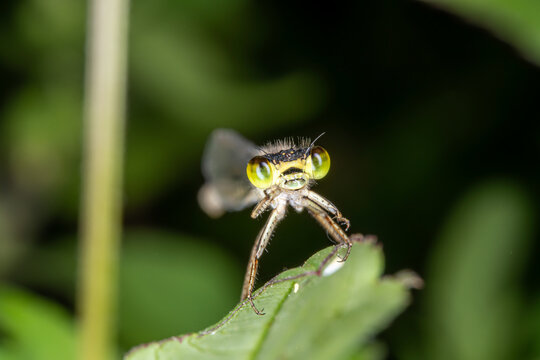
(102, 176)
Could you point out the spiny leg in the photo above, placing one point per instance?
(326, 221)
(261, 207)
(264, 203)
(327, 205)
(260, 244)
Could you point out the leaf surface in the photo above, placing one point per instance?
(325, 309)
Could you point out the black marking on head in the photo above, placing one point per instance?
(292, 170)
(286, 155)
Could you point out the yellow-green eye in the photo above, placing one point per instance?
(260, 172)
(320, 162)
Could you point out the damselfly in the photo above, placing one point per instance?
(274, 176)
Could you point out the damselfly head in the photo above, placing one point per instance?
(288, 166)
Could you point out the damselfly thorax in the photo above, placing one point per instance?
(274, 176)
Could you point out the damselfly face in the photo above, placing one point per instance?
(289, 169)
(279, 175)
(229, 157)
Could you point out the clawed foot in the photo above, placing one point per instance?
(344, 258)
(250, 299)
(370, 239)
(343, 221)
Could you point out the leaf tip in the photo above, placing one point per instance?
(409, 279)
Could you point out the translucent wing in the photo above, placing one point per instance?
(224, 162)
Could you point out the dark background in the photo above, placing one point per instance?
(425, 116)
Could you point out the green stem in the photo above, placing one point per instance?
(102, 177)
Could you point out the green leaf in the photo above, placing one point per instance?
(34, 328)
(164, 276)
(515, 21)
(325, 309)
(475, 298)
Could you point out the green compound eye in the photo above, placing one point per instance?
(320, 162)
(260, 172)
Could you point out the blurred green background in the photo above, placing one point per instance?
(432, 122)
